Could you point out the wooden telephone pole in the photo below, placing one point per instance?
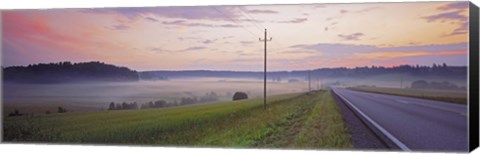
(309, 81)
(265, 70)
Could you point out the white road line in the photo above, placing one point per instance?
(402, 101)
(385, 132)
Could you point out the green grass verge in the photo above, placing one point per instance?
(438, 95)
(290, 121)
(325, 127)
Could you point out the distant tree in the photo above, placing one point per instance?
(48, 112)
(240, 96)
(134, 105)
(124, 106)
(419, 84)
(118, 106)
(111, 106)
(160, 103)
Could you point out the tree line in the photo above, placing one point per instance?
(208, 97)
(17, 112)
(63, 72)
(365, 71)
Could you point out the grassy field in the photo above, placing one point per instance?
(459, 97)
(291, 121)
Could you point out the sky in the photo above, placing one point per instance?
(306, 36)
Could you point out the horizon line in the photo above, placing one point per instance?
(352, 67)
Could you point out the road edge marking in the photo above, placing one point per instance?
(375, 124)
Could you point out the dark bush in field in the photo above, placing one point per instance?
(15, 113)
(61, 110)
(240, 96)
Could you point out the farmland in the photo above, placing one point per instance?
(290, 121)
(459, 97)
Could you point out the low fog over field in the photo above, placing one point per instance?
(79, 97)
(96, 96)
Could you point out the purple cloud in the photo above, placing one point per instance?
(162, 50)
(188, 38)
(352, 48)
(195, 48)
(455, 6)
(159, 50)
(186, 24)
(296, 20)
(367, 9)
(257, 11)
(184, 12)
(313, 6)
(446, 16)
(119, 27)
(462, 29)
(243, 53)
(208, 41)
(462, 20)
(151, 19)
(228, 26)
(246, 42)
(354, 36)
(176, 22)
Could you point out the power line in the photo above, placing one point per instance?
(251, 19)
(254, 21)
(234, 21)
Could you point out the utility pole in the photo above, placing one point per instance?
(318, 83)
(309, 81)
(265, 70)
(401, 82)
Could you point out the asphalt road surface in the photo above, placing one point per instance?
(411, 123)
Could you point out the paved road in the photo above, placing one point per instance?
(416, 124)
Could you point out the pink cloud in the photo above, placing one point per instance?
(46, 36)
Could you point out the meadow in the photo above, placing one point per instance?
(301, 120)
(458, 97)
